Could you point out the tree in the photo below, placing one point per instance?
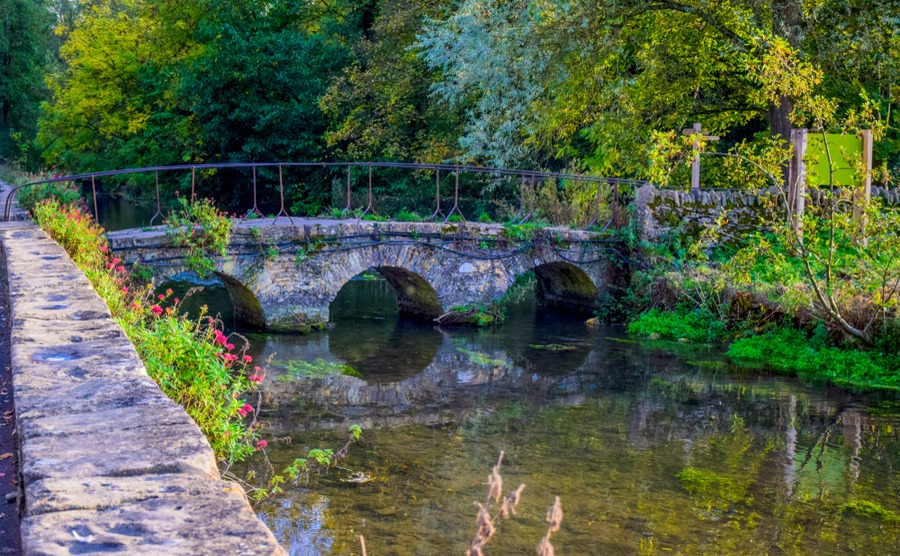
(24, 57)
(379, 106)
(599, 76)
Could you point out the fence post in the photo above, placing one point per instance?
(863, 194)
(796, 188)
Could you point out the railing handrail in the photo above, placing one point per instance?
(532, 175)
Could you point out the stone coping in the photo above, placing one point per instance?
(109, 463)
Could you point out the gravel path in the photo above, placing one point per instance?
(10, 542)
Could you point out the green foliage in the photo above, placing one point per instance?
(408, 216)
(24, 59)
(791, 350)
(192, 360)
(203, 230)
(692, 325)
(64, 192)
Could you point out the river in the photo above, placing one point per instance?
(653, 448)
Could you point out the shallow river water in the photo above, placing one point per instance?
(652, 448)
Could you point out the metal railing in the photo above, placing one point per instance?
(526, 196)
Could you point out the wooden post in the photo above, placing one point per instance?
(796, 188)
(863, 193)
(697, 132)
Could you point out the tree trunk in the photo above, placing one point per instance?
(781, 127)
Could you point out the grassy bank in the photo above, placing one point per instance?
(810, 355)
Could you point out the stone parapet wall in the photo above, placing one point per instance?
(109, 463)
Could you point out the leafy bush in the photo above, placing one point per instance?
(203, 230)
(693, 325)
(64, 192)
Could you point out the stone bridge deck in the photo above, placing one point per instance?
(283, 274)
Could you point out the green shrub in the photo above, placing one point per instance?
(790, 350)
(694, 325)
(203, 230)
(64, 192)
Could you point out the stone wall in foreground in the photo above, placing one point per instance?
(109, 463)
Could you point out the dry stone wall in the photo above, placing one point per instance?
(662, 212)
(109, 463)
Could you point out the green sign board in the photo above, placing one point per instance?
(846, 158)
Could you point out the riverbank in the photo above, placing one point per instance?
(810, 355)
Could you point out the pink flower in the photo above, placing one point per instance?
(176, 192)
(245, 409)
(121, 269)
(176, 301)
(255, 378)
(115, 261)
(124, 290)
(261, 444)
(229, 346)
(248, 359)
(156, 309)
(160, 297)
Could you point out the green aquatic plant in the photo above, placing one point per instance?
(693, 326)
(315, 369)
(552, 347)
(478, 358)
(866, 508)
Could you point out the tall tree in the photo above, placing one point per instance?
(610, 71)
(24, 57)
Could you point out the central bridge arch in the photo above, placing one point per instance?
(415, 296)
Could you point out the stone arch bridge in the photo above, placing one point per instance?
(283, 274)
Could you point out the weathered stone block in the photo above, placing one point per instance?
(119, 442)
(213, 519)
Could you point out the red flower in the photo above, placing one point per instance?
(261, 444)
(156, 309)
(176, 301)
(245, 409)
(248, 359)
(255, 378)
(160, 297)
(124, 290)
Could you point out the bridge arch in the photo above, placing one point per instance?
(244, 302)
(415, 296)
(564, 286)
(247, 309)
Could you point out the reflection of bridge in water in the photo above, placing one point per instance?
(461, 375)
